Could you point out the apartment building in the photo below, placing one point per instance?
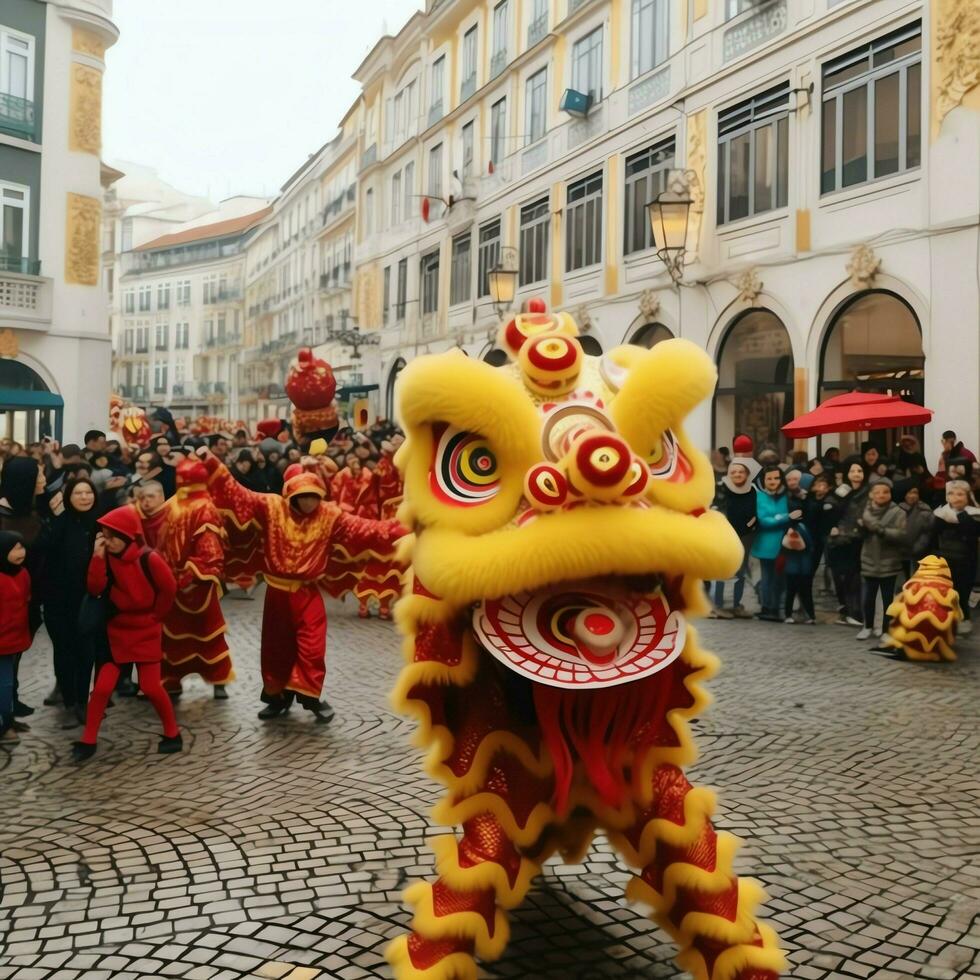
(830, 147)
(298, 274)
(180, 298)
(54, 342)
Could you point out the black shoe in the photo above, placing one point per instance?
(173, 695)
(80, 751)
(20, 726)
(53, 698)
(323, 714)
(126, 688)
(22, 710)
(220, 694)
(168, 746)
(276, 704)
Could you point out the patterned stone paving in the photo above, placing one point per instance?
(280, 849)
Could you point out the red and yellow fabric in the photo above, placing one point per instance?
(192, 543)
(298, 550)
(390, 486)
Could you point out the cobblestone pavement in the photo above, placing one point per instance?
(280, 849)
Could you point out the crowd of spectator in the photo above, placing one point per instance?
(865, 519)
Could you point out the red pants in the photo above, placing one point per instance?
(150, 685)
(294, 641)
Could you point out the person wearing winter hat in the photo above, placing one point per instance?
(15, 631)
(743, 446)
(301, 533)
(736, 499)
(140, 590)
(884, 536)
(918, 523)
(955, 530)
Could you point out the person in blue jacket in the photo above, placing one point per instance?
(773, 519)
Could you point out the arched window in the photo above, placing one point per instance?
(591, 346)
(755, 382)
(873, 343)
(650, 334)
(28, 409)
(396, 369)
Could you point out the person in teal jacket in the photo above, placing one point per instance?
(774, 518)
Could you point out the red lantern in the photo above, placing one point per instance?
(425, 210)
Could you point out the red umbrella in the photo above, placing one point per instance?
(857, 411)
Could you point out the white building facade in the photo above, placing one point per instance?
(55, 348)
(832, 148)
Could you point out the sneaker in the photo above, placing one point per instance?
(220, 694)
(725, 614)
(851, 621)
(740, 612)
(169, 745)
(842, 621)
(53, 698)
(789, 621)
(713, 614)
(22, 710)
(809, 622)
(80, 751)
(966, 628)
(865, 634)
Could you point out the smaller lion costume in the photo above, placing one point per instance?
(311, 388)
(192, 542)
(925, 613)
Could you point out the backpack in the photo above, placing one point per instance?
(96, 611)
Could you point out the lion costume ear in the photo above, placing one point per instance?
(661, 388)
(471, 435)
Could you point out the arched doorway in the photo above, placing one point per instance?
(755, 382)
(28, 409)
(873, 343)
(651, 334)
(396, 369)
(591, 346)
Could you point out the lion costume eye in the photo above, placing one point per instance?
(464, 468)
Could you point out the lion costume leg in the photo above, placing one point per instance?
(686, 877)
(461, 916)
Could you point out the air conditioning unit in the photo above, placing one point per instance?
(575, 103)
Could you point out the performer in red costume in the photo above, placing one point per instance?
(389, 480)
(301, 532)
(141, 590)
(192, 543)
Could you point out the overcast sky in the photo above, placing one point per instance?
(227, 97)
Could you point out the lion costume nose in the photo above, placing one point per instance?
(600, 466)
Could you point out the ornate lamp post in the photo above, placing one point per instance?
(353, 338)
(669, 213)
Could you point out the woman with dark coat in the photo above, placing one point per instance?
(955, 532)
(22, 510)
(844, 543)
(67, 544)
(247, 473)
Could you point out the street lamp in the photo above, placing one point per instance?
(502, 280)
(669, 213)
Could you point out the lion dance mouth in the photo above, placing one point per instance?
(552, 674)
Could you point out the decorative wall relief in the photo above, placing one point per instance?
(83, 219)
(863, 266)
(956, 54)
(87, 42)
(697, 158)
(85, 110)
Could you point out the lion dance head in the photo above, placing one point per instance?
(560, 541)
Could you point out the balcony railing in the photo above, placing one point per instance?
(16, 115)
(369, 156)
(26, 267)
(467, 88)
(435, 113)
(537, 29)
(498, 62)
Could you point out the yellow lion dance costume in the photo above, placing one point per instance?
(560, 537)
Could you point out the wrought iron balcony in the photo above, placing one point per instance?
(26, 267)
(467, 88)
(498, 62)
(369, 156)
(16, 116)
(435, 112)
(537, 29)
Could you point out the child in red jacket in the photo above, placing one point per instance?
(15, 631)
(141, 590)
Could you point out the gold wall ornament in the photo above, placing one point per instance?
(649, 304)
(87, 42)
(83, 218)
(8, 344)
(956, 55)
(697, 159)
(863, 266)
(85, 110)
(749, 285)
(366, 298)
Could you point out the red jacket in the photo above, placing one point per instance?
(136, 626)
(15, 596)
